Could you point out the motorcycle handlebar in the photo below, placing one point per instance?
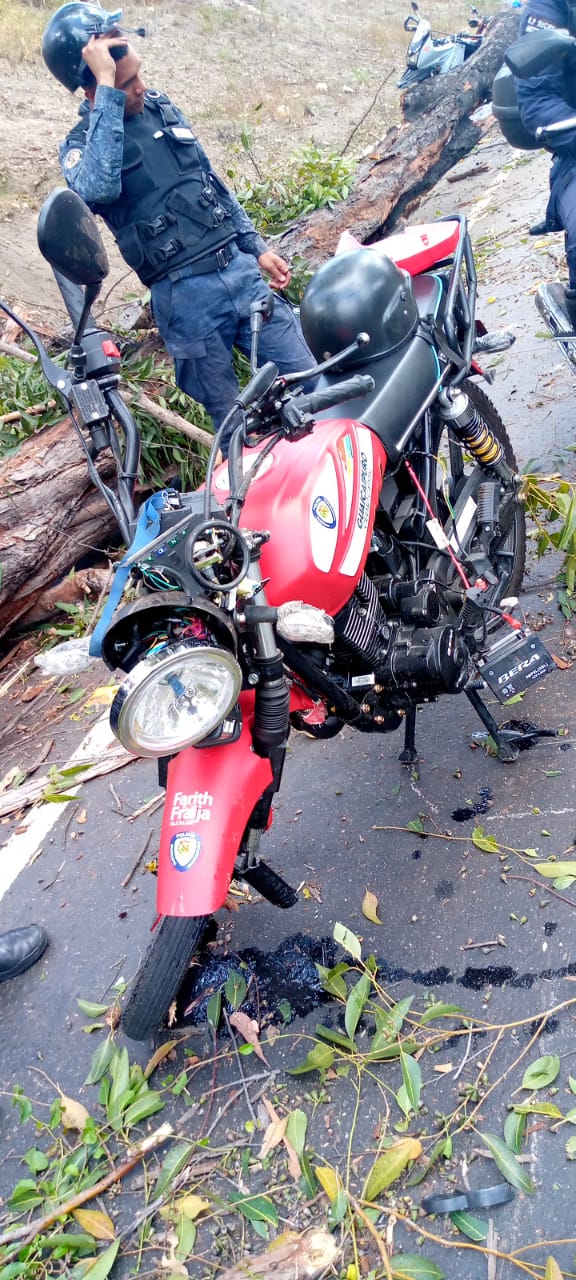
(547, 133)
(313, 403)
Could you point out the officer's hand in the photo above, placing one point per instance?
(98, 58)
(275, 267)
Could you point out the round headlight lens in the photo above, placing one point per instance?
(174, 698)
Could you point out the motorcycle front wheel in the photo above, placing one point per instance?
(175, 941)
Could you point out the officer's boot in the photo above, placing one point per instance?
(570, 296)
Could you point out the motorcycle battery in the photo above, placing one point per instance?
(515, 663)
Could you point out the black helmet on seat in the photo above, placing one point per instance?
(360, 291)
(68, 30)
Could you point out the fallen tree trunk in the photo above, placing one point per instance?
(408, 162)
(50, 517)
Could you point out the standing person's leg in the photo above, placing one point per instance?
(565, 203)
(198, 324)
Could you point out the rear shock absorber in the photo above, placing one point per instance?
(458, 410)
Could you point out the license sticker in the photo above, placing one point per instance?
(185, 849)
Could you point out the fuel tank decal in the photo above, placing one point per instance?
(185, 849)
(362, 521)
(324, 516)
(346, 455)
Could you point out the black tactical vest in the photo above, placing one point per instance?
(170, 211)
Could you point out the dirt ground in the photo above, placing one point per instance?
(282, 72)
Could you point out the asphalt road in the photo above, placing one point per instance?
(339, 829)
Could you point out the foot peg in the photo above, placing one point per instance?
(272, 886)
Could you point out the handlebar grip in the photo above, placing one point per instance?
(360, 385)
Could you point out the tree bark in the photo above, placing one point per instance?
(50, 517)
(408, 162)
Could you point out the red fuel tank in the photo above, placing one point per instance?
(317, 498)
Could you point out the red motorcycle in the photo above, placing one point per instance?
(340, 567)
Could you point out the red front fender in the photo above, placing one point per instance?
(210, 795)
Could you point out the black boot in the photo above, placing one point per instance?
(570, 296)
(19, 948)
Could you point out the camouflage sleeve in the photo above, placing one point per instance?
(91, 160)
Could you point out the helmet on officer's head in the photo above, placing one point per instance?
(358, 292)
(68, 30)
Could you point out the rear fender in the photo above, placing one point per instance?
(210, 794)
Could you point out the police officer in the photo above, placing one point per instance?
(21, 948)
(543, 101)
(135, 160)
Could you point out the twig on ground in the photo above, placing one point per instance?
(241, 1073)
(127, 879)
(553, 892)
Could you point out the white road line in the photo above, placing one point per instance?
(21, 848)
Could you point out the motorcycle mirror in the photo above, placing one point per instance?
(534, 53)
(414, 7)
(260, 311)
(69, 239)
(410, 23)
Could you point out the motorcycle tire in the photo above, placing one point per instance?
(161, 974)
(515, 542)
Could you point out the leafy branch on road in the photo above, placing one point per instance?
(206, 1204)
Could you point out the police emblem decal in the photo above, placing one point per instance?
(185, 849)
(72, 158)
(324, 513)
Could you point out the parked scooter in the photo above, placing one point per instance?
(343, 568)
(431, 54)
(530, 56)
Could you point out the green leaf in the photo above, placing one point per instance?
(412, 1266)
(214, 1010)
(415, 824)
(320, 1058)
(388, 1167)
(173, 1164)
(514, 1127)
(412, 1077)
(101, 1061)
(36, 1160)
(507, 1162)
(147, 1105)
(332, 979)
(474, 1228)
(255, 1208)
(235, 989)
(542, 1072)
(356, 1004)
(482, 841)
(120, 1073)
(91, 1009)
(550, 870)
(25, 1195)
(296, 1130)
(563, 882)
(186, 1231)
(348, 940)
(540, 1109)
(98, 1268)
(441, 1011)
(334, 1037)
(571, 1146)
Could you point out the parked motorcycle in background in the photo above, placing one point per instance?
(431, 54)
(530, 56)
(344, 567)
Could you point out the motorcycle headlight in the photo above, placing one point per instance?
(175, 697)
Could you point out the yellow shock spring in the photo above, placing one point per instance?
(481, 442)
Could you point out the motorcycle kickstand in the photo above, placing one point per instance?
(409, 754)
(506, 740)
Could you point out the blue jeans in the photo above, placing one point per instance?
(201, 318)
